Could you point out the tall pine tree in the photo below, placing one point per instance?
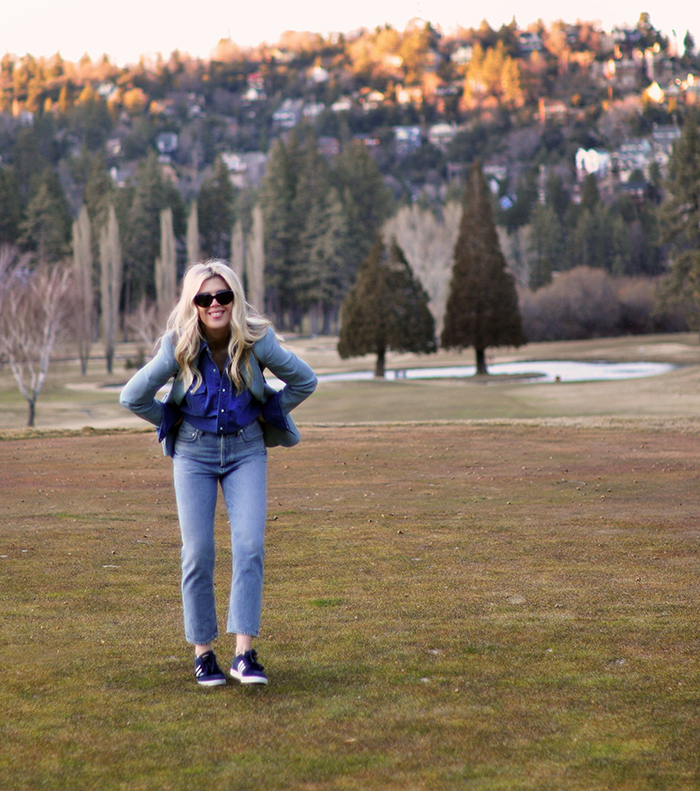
(482, 308)
(680, 216)
(215, 204)
(277, 193)
(387, 308)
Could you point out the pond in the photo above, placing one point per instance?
(528, 371)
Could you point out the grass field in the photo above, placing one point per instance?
(473, 604)
(72, 401)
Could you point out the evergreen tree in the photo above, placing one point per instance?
(9, 205)
(546, 244)
(366, 199)
(310, 222)
(680, 216)
(387, 308)
(99, 193)
(482, 309)
(151, 195)
(324, 242)
(215, 204)
(277, 193)
(47, 224)
(27, 161)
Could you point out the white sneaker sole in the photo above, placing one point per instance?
(247, 680)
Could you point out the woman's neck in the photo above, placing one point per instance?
(217, 340)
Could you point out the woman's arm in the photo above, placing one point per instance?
(299, 380)
(139, 393)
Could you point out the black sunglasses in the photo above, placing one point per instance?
(204, 300)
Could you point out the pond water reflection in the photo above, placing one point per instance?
(530, 371)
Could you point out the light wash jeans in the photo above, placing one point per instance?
(239, 462)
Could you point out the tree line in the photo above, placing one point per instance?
(315, 244)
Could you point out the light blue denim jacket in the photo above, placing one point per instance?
(139, 394)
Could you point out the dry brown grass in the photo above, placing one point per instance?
(482, 606)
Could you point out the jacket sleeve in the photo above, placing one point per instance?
(139, 393)
(299, 380)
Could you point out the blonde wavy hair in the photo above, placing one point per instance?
(247, 325)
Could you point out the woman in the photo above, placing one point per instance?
(216, 422)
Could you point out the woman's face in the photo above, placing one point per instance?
(216, 318)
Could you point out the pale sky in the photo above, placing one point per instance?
(127, 29)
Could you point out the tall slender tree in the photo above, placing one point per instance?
(680, 216)
(166, 266)
(366, 198)
(110, 283)
(277, 193)
(10, 205)
(255, 261)
(192, 239)
(482, 308)
(141, 235)
(82, 273)
(238, 248)
(215, 205)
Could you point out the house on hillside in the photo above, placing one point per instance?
(313, 110)
(592, 161)
(441, 135)
(462, 56)
(318, 75)
(634, 155)
(529, 41)
(552, 110)
(288, 114)
(625, 74)
(167, 144)
(342, 105)
(411, 95)
(407, 139)
(246, 169)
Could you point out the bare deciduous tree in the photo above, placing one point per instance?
(82, 268)
(110, 283)
(193, 250)
(255, 262)
(238, 249)
(428, 243)
(146, 325)
(166, 266)
(33, 312)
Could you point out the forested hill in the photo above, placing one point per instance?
(574, 127)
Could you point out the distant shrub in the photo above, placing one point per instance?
(590, 303)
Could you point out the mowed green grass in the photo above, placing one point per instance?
(484, 606)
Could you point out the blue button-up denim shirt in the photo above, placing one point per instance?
(216, 407)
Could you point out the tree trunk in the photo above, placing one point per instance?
(381, 361)
(30, 414)
(481, 361)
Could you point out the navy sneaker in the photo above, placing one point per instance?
(246, 669)
(207, 671)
